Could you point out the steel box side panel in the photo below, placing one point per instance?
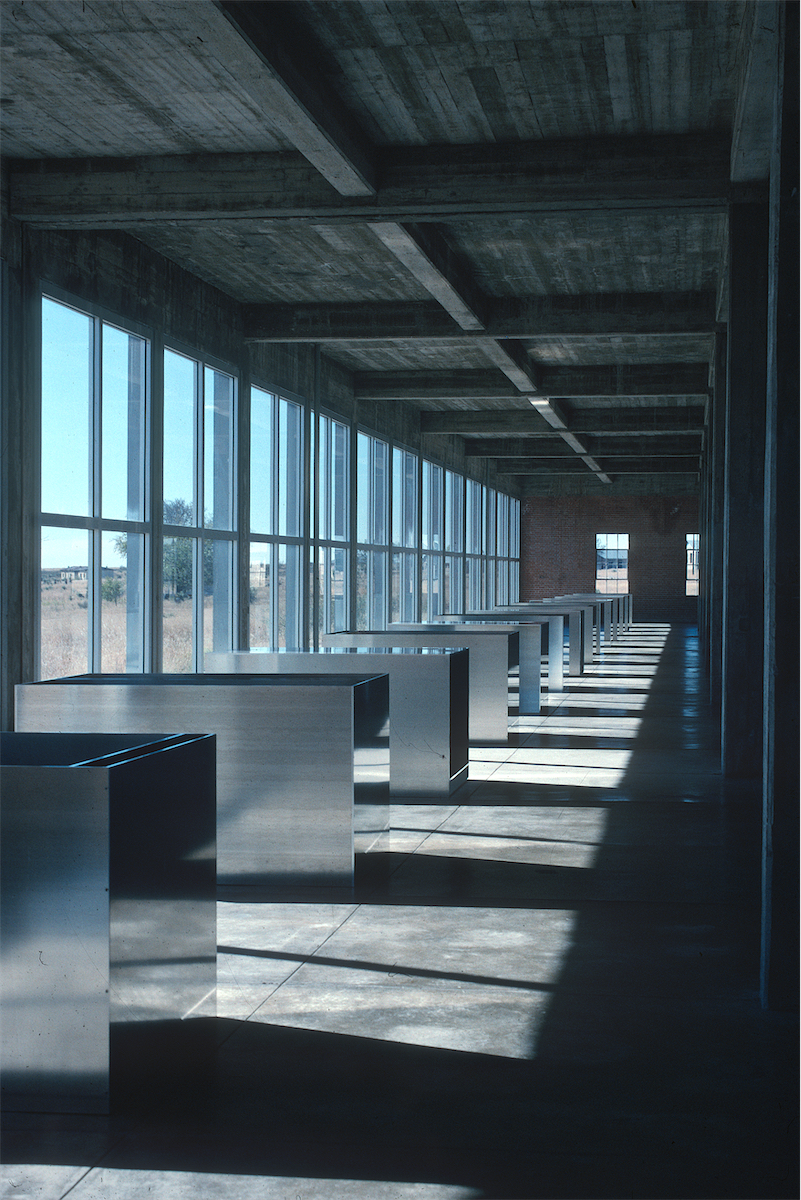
(489, 673)
(162, 878)
(54, 928)
(285, 769)
(428, 708)
(371, 765)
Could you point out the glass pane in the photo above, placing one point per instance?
(380, 505)
(363, 589)
(454, 512)
(431, 599)
(363, 490)
(324, 479)
(474, 577)
(67, 408)
(290, 469)
(218, 450)
(502, 582)
(378, 590)
(179, 439)
(410, 493)
(338, 598)
(489, 503)
(404, 499)
(122, 623)
(178, 583)
(404, 607)
(333, 589)
(473, 518)
(65, 613)
(260, 592)
(261, 461)
(123, 424)
(218, 590)
(289, 597)
(339, 482)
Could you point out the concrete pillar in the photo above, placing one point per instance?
(19, 363)
(743, 523)
(780, 841)
(717, 444)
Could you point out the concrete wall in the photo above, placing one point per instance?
(557, 552)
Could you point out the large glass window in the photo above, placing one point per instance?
(405, 494)
(372, 532)
(93, 469)
(333, 525)
(198, 512)
(431, 563)
(474, 545)
(612, 562)
(276, 521)
(139, 551)
(453, 567)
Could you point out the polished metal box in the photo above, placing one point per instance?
(108, 912)
(428, 690)
(535, 640)
(492, 653)
(302, 762)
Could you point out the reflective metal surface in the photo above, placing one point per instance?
(604, 608)
(108, 914)
(428, 691)
(573, 614)
(492, 652)
(302, 763)
(531, 635)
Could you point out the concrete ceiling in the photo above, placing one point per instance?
(470, 204)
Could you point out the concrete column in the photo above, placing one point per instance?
(743, 524)
(780, 839)
(19, 363)
(717, 444)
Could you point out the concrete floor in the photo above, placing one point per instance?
(554, 994)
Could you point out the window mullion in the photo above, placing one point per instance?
(198, 546)
(94, 572)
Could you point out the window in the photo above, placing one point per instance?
(404, 535)
(474, 545)
(198, 512)
(94, 532)
(691, 572)
(276, 521)
(612, 562)
(333, 525)
(453, 568)
(431, 561)
(372, 532)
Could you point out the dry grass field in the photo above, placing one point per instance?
(65, 632)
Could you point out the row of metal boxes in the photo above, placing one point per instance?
(114, 837)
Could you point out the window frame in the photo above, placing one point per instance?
(93, 523)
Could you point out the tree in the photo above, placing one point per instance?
(111, 589)
(177, 560)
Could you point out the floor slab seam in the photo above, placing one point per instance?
(293, 972)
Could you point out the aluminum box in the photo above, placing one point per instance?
(302, 763)
(428, 690)
(108, 918)
(492, 653)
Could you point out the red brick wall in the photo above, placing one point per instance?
(557, 548)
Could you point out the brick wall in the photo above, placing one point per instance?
(557, 548)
